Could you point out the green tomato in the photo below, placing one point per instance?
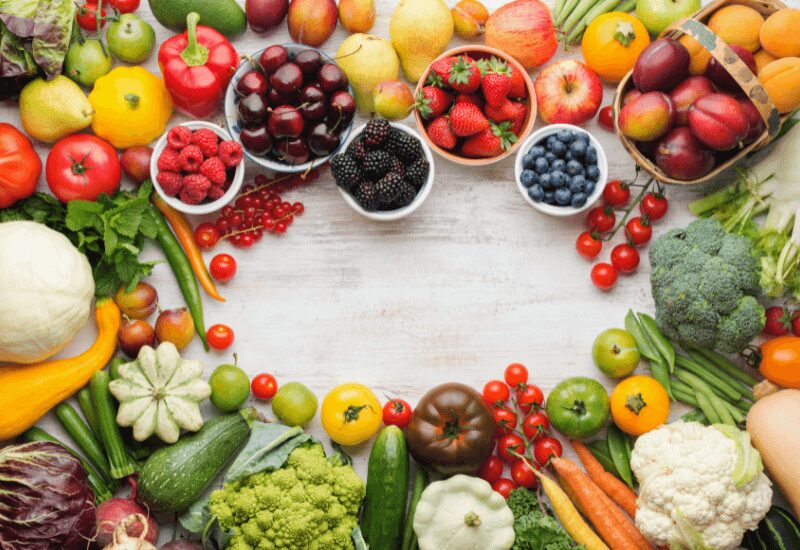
(230, 387)
(578, 407)
(87, 61)
(131, 38)
(294, 404)
(615, 352)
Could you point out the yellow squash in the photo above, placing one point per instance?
(27, 392)
(351, 414)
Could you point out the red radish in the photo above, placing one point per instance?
(114, 510)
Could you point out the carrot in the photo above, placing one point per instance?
(183, 231)
(611, 523)
(618, 491)
(568, 516)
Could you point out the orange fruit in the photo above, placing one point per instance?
(698, 55)
(736, 24)
(781, 80)
(763, 58)
(780, 34)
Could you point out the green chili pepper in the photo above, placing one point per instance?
(619, 449)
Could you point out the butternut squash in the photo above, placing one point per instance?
(772, 423)
(27, 392)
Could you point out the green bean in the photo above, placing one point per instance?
(743, 405)
(567, 8)
(701, 388)
(618, 449)
(737, 414)
(705, 406)
(626, 6)
(660, 372)
(646, 348)
(724, 364)
(664, 346)
(603, 6)
(599, 449)
(558, 6)
(684, 397)
(730, 392)
(720, 374)
(580, 10)
(695, 415)
(85, 404)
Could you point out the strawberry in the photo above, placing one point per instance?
(441, 134)
(432, 102)
(496, 81)
(518, 88)
(510, 111)
(465, 76)
(475, 99)
(466, 120)
(778, 321)
(491, 142)
(440, 72)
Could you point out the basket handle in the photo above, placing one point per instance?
(740, 72)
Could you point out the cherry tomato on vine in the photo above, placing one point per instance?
(604, 276)
(546, 448)
(491, 470)
(219, 336)
(222, 267)
(601, 219)
(206, 235)
(639, 231)
(125, 6)
(529, 396)
(504, 419)
(397, 412)
(535, 425)
(510, 443)
(625, 258)
(522, 474)
(516, 374)
(654, 206)
(588, 245)
(264, 386)
(87, 16)
(504, 486)
(616, 193)
(606, 118)
(494, 391)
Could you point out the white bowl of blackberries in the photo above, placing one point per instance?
(561, 170)
(290, 106)
(385, 171)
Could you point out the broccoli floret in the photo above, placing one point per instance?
(704, 284)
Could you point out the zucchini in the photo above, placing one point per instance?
(83, 436)
(387, 490)
(105, 411)
(779, 530)
(174, 477)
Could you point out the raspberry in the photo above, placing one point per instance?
(191, 159)
(195, 189)
(170, 182)
(230, 153)
(207, 140)
(215, 192)
(179, 137)
(169, 160)
(214, 170)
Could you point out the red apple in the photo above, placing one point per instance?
(523, 29)
(754, 119)
(312, 22)
(719, 121)
(647, 117)
(685, 93)
(265, 14)
(681, 155)
(568, 92)
(721, 77)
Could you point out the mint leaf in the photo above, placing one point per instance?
(84, 215)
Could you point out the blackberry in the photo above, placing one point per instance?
(404, 146)
(366, 195)
(397, 167)
(377, 164)
(407, 195)
(346, 172)
(357, 150)
(376, 132)
(417, 173)
(389, 189)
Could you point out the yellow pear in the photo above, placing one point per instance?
(367, 61)
(53, 109)
(420, 31)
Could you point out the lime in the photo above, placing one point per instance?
(294, 404)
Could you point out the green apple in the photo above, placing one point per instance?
(615, 352)
(130, 38)
(657, 15)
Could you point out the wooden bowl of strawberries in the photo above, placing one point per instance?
(475, 105)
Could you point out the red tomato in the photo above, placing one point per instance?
(504, 486)
(222, 267)
(625, 258)
(604, 276)
(606, 118)
(638, 231)
(397, 412)
(504, 419)
(491, 470)
(82, 167)
(219, 336)
(588, 245)
(494, 391)
(546, 448)
(535, 425)
(530, 396)
(601, 219)
(508, 443)
(522, 474)
(264, 386)
(654, 206)
(616, 193)
(87, 16)
(516, 374)
(125, 6)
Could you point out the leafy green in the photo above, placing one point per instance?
(534, 526)
(46, 24)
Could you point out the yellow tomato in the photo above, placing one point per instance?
(351, 414)
(612, 43)
(639, 404)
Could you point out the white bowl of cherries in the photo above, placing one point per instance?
(290, 106)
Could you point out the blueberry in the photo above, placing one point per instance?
(578, 200)
(563, 196)
(593, 172)
(565, 136)
(578, 149)
(529, 177)
(577, 184)
(551, 140)
(541, 165)
(574, 168)
(536, 193)
(591, 155)
(559, 148)
(584, 137)
(558, 164)
(549, 197)
(546, 180)
(568, 157)
(549, 156)
(589, 188)
(528, 160)
(558, 178)
(536, 151)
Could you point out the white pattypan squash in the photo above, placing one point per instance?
(463, 513)
(160, 393)
(46, 291)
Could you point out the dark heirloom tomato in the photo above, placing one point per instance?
(451, 430)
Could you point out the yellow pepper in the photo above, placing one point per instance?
(131, 107)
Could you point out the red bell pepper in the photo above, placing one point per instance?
(197, 67)
(20, 166)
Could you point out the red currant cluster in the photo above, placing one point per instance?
(258, 208)
(603, 226)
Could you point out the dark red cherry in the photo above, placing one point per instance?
(342, 105)
(286, 122)
(253, 82)
(331, 78)
(253, 110)
(292, 151)
(272, 58)
(257, 140)
(276, 99)
(287, 79)
(322, 141)
(309, 61)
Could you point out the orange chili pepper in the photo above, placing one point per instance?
(183, 232)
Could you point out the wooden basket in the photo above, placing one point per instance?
(695, 27)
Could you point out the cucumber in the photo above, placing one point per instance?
(387, 490)
(779, 530)
(226, 16)
(174, 477)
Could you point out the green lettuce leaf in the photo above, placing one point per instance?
(48, 23)
(15, 60)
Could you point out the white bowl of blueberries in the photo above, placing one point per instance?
(561, 170)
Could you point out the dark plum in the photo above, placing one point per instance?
(286, 122)
(661, 66)
(265, 14)
(253, 110)
(253, 82)
(287, 79)
(292, 151)
(273, 58)
(309, 62)
(682, 156)
(323, 141)
(331, 78)
(257, 140)
(720, 76)
(754, 119)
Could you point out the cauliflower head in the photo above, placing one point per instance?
(705, 282)
(311, 503)
(687, 495)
